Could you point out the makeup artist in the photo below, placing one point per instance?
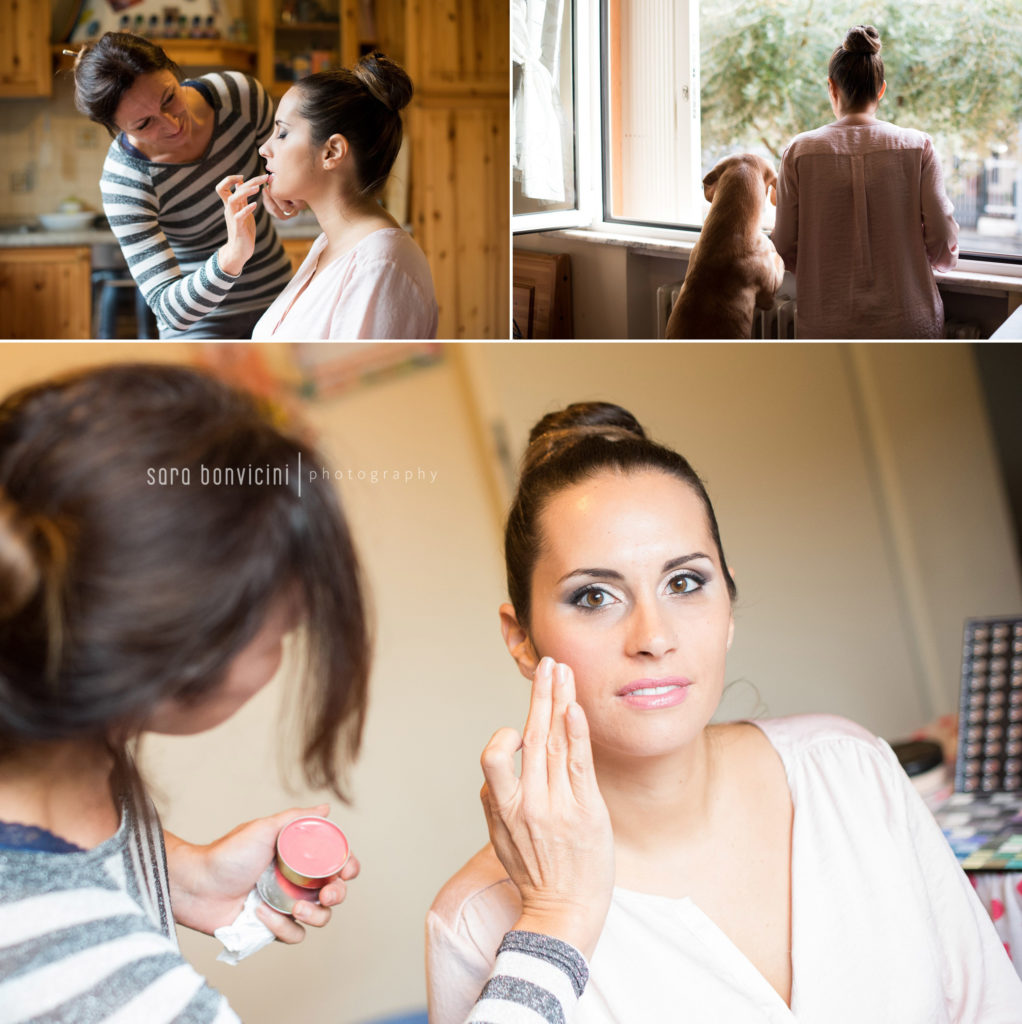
(179, 182)
(128, 608)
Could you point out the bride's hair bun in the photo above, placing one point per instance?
(386, 81)
(559, 431)
(862, 39)
(857, 69)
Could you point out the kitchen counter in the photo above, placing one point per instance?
(18, 234)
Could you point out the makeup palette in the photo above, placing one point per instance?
(983, 818)
(984, 831)
(990, 708)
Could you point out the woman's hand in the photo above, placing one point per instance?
(282, 208)
(239, 213)
(208, 884)
(551, 828)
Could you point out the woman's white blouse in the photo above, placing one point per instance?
(885, 925)
(380, 289)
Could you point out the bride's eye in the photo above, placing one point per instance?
(685, 583)
(591, 598)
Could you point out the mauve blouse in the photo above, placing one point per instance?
(862, 222)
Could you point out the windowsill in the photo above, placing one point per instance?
(970, 275)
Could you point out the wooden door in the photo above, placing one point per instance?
(458, 58)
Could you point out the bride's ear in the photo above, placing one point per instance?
(517, 641)
(335, 149)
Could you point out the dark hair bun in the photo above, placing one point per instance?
(863, 39)
(386, 81)
(583, 416)
(557, 432)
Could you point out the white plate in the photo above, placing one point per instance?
(68, 221)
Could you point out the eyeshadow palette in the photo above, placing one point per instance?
(985, 831)
(990, 709)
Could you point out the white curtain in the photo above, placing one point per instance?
(536, 30)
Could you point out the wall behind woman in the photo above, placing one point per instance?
(858, 496)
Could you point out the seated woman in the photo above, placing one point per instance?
(777, 870)
(862, 217)
(137, 596)
(338, 134)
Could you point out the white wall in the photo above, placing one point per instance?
(818, 458)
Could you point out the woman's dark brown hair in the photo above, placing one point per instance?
(132, 571)
(574, 444)
(105, 70)
(362, 104)
(857, 68)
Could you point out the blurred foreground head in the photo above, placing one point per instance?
(150, 518)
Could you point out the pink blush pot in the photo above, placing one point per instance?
(310, 851)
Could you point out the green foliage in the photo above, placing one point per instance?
(953, 69)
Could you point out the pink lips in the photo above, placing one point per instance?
(655, 693)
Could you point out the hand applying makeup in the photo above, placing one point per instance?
(550, 827)
(239, 214)
(208, 884)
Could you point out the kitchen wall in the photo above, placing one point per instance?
(859, 504)
(48, 153)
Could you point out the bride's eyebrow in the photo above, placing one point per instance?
(613, 574)
(675, 563)
(602, 574)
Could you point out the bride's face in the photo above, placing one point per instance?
(629, 591)
(289, 153)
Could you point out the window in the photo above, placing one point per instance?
(543, 112)
(651, 101)
(682, 83)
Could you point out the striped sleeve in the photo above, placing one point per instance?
(132, 208)
(536, 980)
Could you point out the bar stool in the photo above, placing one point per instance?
(107, 287)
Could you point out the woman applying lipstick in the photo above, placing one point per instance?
(337, 136)
(179, 174)
(777, 871)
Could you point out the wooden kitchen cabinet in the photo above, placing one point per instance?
(25, 68)
(293, 35)
(45, 292)
(297, 249)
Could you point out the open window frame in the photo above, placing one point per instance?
(596, 103)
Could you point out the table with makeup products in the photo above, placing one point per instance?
(982, 816)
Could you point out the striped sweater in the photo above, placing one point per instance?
(88, 936)
(170, 222)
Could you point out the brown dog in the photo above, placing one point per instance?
(734, 267)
